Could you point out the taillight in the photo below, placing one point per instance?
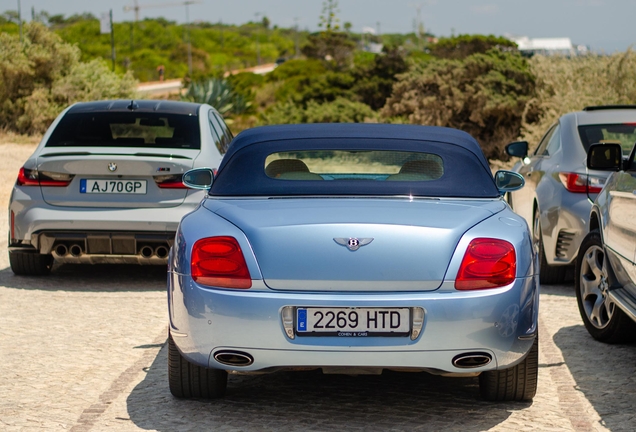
(578, 183)
(219, 262)
(487, 263)
(170, 182)
(27, 177)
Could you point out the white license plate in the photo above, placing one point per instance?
(101, 186)
(353, 322)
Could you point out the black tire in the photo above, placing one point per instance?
(518, 383)
(30, 263)
(548, 274)
(187, 380)
(607, 322)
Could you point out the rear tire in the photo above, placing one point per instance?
(548, 274)
(30, 263)
(603, 320)
(187, 380)
(518, 383)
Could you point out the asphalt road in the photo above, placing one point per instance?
(84, 349)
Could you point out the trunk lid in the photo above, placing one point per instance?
(119, 177)
(296, 241)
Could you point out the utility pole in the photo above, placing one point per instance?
(258, 47)
(112, 39)
(20, 18)
(188, 3)
(296, 42)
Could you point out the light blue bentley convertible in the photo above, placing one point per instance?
(352, 249)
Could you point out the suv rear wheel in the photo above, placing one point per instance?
(30, 263)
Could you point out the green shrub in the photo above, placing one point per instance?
(219, 94)
(340, 110)
(462, 46)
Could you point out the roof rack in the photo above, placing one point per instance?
(608, 107)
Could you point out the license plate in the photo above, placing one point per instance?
(100, 186)
(353, 322)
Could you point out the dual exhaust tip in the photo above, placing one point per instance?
(74, 250)
(233, 358)
(149, 251)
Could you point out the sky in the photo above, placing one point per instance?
(603, 25)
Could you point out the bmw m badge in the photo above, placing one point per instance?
(112, 167)
(353, 244)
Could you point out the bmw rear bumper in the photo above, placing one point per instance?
(499, 322)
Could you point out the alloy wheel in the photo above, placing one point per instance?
(594, 288)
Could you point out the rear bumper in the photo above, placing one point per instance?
(500, 322)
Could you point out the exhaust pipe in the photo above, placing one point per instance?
(75, 250)
(233, 358)
(146, 251)
(161, 251)
(61, 250)
(471, 360)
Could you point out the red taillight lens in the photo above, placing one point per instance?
(27, 177)
(219, 262)
(170, 182)
(578, 183)
(487, 263)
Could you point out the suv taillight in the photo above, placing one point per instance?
(487, 263)
(170, 182)
(578, 183)
(28, 177)
(219, 262)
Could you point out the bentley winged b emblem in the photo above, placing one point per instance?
(353, 244)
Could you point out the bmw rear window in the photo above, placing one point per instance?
(133, 129)
(623, 134)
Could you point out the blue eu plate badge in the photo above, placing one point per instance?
(302, 319)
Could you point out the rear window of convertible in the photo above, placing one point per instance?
(354, 167)
(127, 129)
(338, 165)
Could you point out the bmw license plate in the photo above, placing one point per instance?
(353, 322)
(100, 186)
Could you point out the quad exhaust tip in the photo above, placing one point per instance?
(146, 251)
(75, 250)
(61, 250)
(471, 360)
(161, 251)
(233, 358)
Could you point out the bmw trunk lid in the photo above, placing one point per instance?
(119, 177)
(354, 244)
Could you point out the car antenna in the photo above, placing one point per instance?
(133, 106)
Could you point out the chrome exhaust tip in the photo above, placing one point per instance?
(233, 358)
(471, 360)
(146, 251)
(61, 250)
(161, 252)
(75, 250)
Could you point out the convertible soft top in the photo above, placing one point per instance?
(466, 172)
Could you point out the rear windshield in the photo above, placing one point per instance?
(623, 134)
(107, 129)
(354, 165)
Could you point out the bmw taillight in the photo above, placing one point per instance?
(578, 183)
(170, 182)
(28, 177)
(219, 262)
(487, 263)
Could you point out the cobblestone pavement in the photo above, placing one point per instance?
(84, 349)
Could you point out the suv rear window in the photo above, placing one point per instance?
(134, 129)
(623, 134)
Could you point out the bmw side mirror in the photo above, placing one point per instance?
(199, 178)
(605, 157)
(508, 181)
(518, 149)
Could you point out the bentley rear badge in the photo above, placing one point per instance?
(353, 244)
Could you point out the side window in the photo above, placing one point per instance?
(541, 150)
(226, 129)
(216, 137)
(555, 142)
(221, 131)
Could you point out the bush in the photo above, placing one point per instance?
(217, 93)
(484, 95)
(42, 75)
(462, 46)
(340, 110)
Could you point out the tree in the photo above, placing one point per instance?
(462, 46)
(328, 18)
(332, 46)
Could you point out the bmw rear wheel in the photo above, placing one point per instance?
(518, 383)
(602, 318)
(187, 380)
(24, 263)
(548, 274)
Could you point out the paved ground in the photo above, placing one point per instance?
(83, 349)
